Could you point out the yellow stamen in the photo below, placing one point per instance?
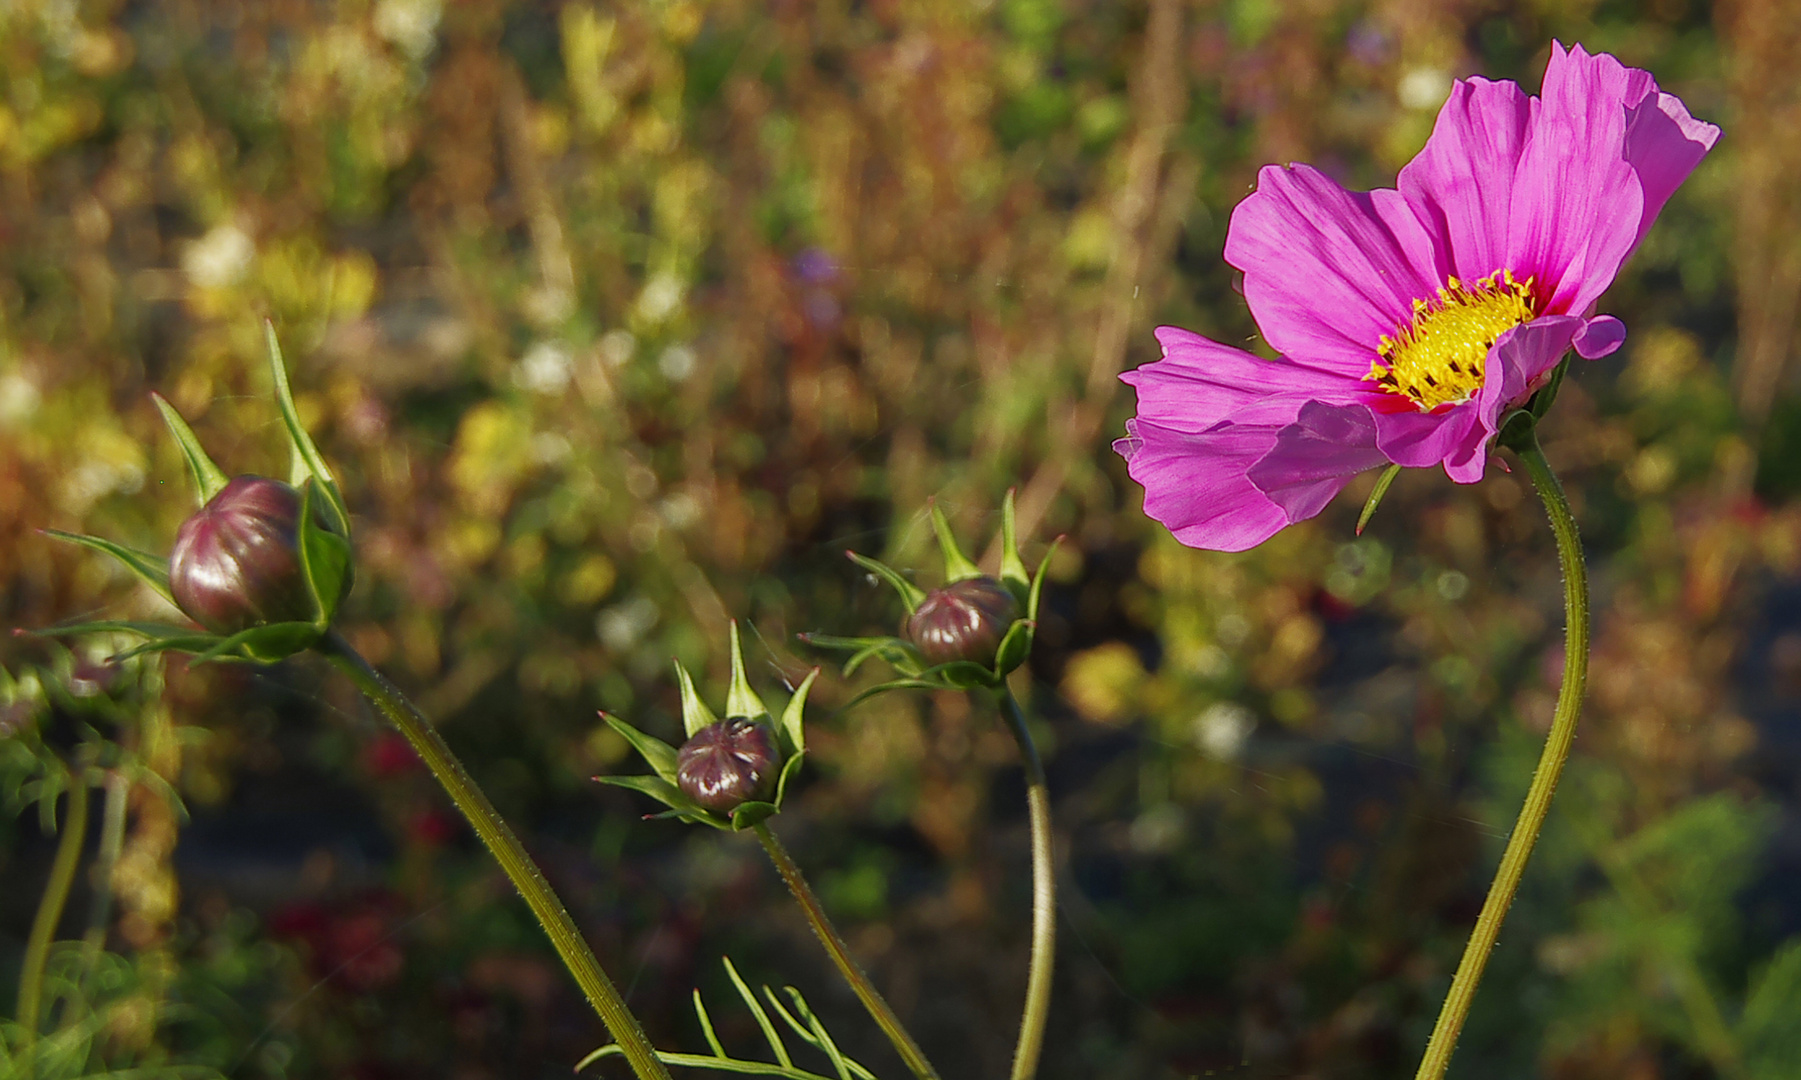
(1439, 356)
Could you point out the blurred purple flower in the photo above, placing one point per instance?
(1410, 320)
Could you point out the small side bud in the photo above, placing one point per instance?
(236, 562)
(729, 763)
(965, 620)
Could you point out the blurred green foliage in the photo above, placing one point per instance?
(620, 319)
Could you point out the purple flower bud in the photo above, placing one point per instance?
(236, 562)
(965, 620)
(729, 763)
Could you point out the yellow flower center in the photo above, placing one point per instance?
(1438, 357)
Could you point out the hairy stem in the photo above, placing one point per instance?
(1544, 780)
(507, 851)
(50, 909)
(840, 953)
(1044, 895)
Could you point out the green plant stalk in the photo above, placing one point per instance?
(1544, 779)
(840, 953)
(106, 861)
(507, 851)
(1044, 895)
(50, 910)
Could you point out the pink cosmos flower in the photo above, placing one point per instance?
(1410, 321)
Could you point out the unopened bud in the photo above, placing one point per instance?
(236, 562)
(727, 764)
(965, 620)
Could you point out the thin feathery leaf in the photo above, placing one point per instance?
(706, 1026)
(825, 1039)
(209, 479)
(697, 1061)
(750, 1000)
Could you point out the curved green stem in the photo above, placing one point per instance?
(1044, 895)
(507, 851)
(50, 909)
(840, 953)
(1544, 780)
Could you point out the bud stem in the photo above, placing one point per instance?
(507, 851)
(1044, 894)
(834, 945)
(50, 914)
(1550, 764)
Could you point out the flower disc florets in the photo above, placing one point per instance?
(236, 562)
(1440, 356)
(724, 765)
(964, 620)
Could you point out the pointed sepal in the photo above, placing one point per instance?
(956, 564)
(741, 700)
(1013, 568)
(209, 479)
(308, 462)
(695, 713)
(659, 755)
(911, 595)
(151, 570)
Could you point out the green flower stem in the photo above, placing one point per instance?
(507, 850)
(50, 909)
(834, 945)
(106, 860)
(1044, 895)
(1544, 780)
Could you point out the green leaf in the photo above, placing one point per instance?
(695, 714)
(706, 1026)
(659, 755)
(153, 571)
(324, 559)
(792, 728)
(750, 1000)
(911, 594)
(957, 566)
(208, 477)
(1013, 568)
(1038, 581)
(1767, 1032)
(1376, 493)
(741, 700)
(700, 1061)
(308, 461)
(1015, 647)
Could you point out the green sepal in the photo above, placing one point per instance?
(324, 560)
(1013, 568)
(792, 728)
(1376, 493)
(893, 684)
(209, 479)
(897, 652)
(911, 595)
(264, 644)
(695, 714)
(748, 814)
(151, 630)
(680, 806)
(307, 459)
(961, 675)
(790, 768)
(741, 700)
(1540, 402)
(1518, 431)
(659, 755)
(1038, 581)
(150, 569)
(957, 566)
(1015, 647)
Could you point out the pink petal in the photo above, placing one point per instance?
(1462, 183)
(1599, 337)
(1577, 202)
(1196, 483)
(1664, 144)
(1315, 456)
(1200, 382)
(1327, 271)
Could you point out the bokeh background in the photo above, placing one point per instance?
(619, 320)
